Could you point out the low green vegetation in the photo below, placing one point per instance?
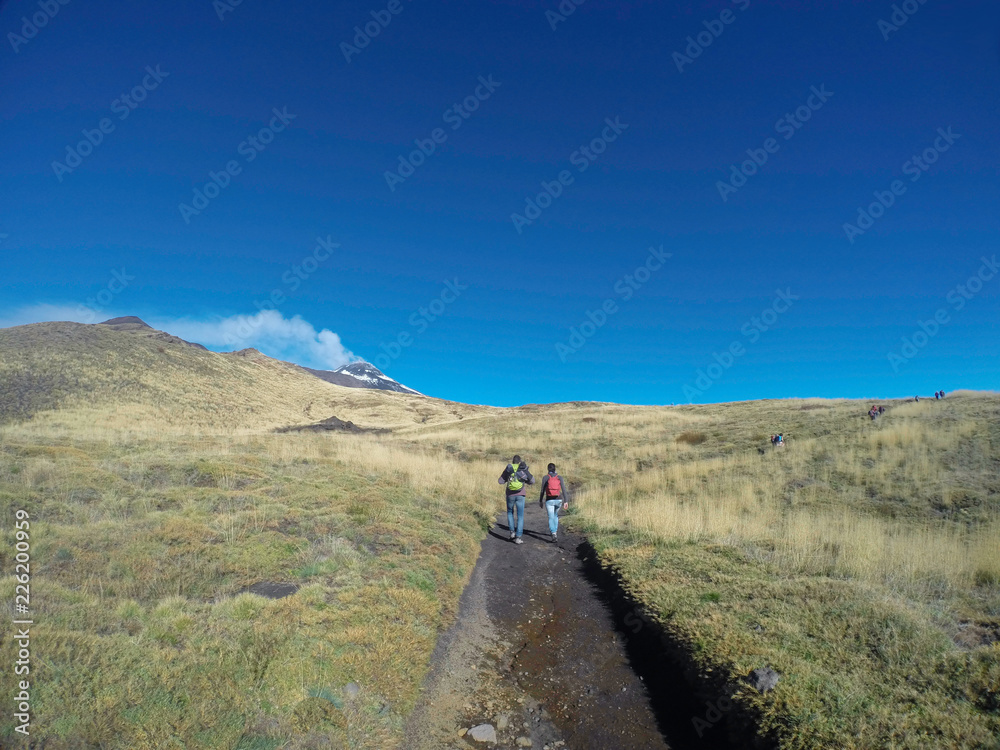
(140, 553)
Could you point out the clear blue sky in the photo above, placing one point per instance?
(507, 337)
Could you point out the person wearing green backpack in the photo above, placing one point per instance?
(516, 476)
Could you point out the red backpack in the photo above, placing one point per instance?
(554, 487)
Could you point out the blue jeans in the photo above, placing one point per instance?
(518, 502)
(552, 506)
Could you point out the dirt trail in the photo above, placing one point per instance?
(535, 652)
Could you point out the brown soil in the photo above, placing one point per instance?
(331, 424)
(972, 635)
(271, 589)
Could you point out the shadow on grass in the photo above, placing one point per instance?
(692, 710)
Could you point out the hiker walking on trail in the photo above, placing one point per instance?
(516, 476)
(554, 493)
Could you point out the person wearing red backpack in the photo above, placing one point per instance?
(554, 493)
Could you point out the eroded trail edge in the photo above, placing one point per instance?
(545, 649)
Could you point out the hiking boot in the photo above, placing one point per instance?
(517, 540)
(512, 535)
(554, 537)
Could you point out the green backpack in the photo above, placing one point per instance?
(513, 482)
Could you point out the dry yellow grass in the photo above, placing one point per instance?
(140, 550)
(652, 480)
(743, 500)
(862, 560)
(155, 385)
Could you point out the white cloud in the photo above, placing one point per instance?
(292, 339)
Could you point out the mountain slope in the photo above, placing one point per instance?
(138, 325)
(128, 375)
(361, 375)
(354, 375)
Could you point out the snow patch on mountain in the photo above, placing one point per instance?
(362, 375)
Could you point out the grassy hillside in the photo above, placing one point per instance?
(149, 380)
(158, 497)
(140, 552)
(861, 561)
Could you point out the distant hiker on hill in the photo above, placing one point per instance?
(554, 493)
(937, 395)
(942, 394)
(515, 476)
